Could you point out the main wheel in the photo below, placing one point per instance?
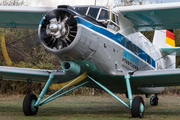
(28, 105)
(138, 107)
(154, 100)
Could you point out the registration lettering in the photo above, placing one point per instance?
(131, 57)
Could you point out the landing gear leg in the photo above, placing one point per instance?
(154, 100)
(31, 103)
(137, 104)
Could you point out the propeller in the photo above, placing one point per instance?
(58, 29)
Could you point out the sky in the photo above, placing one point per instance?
(54, 3)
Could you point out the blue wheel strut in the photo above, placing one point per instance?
(128, 89)
(128, 85)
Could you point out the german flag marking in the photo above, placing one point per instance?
(170, 38)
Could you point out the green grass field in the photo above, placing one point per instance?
(89, 108)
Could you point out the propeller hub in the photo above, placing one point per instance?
(54, 27)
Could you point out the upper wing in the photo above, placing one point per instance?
(22, 17)
(156, 78)
(153, 16)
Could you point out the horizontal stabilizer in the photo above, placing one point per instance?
(171, 51)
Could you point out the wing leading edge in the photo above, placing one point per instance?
(152, 16)
(34, 75)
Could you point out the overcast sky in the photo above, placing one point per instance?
(54, 3)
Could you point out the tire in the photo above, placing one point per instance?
(138, 107)
(154, 101)
(28, 108)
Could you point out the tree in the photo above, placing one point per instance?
(14, 3)
(128, 2)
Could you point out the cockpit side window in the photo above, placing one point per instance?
(113, 17)
(103, 15)
(93, 12)
(81, 10)
(117, 20)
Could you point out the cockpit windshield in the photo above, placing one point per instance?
(93, 12)
(81, 10)
(102, 15)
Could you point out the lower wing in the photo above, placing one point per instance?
(34, 75)
(156, 78)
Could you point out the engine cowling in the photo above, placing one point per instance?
(58, 30)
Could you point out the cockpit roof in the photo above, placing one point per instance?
(91, 6)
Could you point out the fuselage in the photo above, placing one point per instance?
(111, 44)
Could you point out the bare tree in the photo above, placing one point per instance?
(14, 3)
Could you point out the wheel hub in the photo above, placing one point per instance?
(33, 108)
(141, 108)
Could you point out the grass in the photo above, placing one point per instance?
(89, 108)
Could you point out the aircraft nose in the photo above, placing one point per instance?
(58, 29)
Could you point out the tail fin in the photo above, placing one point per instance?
(164, 39)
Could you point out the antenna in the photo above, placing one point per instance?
(107, 3)
(95, 3)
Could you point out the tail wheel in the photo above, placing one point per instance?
(28, 105)
(138, 107)
(154, 100)
(58, 29)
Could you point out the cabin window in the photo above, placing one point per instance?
(148, 58)
(129, 45)
(81, 10)
(137, 50)
(93, 12)
(133, 48)
(124, 42)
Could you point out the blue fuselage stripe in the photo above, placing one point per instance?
(115, 37)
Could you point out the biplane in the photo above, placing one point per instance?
(100, 48)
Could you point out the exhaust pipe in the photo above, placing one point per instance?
(71, 67)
